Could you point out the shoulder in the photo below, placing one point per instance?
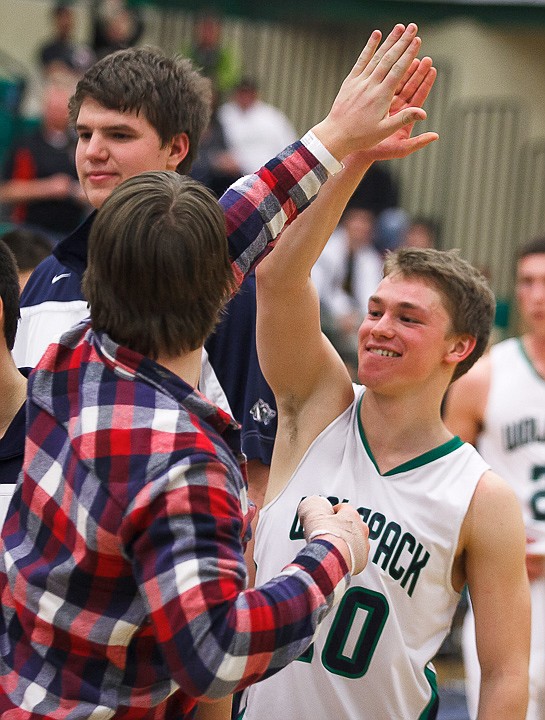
(51, 280)
(494, 510)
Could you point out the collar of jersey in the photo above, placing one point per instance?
(427, 457)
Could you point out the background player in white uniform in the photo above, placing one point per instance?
(500, 406)
(428, 536)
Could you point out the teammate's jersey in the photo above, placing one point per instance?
(513, 437)
(371, 659)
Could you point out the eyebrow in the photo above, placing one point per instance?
(404, 305)
(115, 128)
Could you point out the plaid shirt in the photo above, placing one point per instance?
(121, 574)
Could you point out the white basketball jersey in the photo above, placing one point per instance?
(371, 657)
(513, 436)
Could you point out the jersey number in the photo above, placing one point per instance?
(354, 633)
(537, 501)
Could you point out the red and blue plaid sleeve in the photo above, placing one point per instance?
(215, 636)
(259, 206)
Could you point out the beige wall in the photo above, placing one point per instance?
(485, 61)
(492, 62)
(482, 182)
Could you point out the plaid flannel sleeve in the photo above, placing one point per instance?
(258, 207)
(216, 637)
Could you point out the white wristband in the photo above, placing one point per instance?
(314, 534)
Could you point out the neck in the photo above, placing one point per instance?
(186, 366)
(13, 390)
(535, 349)
(413, 422)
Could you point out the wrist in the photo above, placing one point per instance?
(340, 544)
(331, 140)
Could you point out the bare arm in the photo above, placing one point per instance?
(496, 575)
(297, 360)
(220, 710)
(54, 187)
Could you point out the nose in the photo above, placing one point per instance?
(96, 148)
(383, 327)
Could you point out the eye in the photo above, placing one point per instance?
(84, 135)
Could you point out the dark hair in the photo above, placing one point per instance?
(171, 94)
(29, 247)
(158, 267)
(9, 292)
(467, 296)
(532, 247)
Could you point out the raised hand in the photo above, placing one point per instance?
(411, 92)
(361, 116)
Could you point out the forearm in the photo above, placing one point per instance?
(220, 710)
(198, 605)
(503, 695)
(14, 191)
(258, 207)
(281, 617)
(301, 244)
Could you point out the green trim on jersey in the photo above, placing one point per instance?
(431, 709)
(427, 457)
(528, 359)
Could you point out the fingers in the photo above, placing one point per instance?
(408, 75)
(418, 142)
(313, 506)
(413, 81)
(367, 54)
(423, 90)
(396, 61)
(391, 40)
(418, 87)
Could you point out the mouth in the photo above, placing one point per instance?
(98, 177)
(383, 353)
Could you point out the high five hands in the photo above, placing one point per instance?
(378, 103)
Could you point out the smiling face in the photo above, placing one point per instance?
(531, 292)
(405, 338)
(114, 146)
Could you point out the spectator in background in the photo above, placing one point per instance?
(115, 27)
(422, 232)
(40, 184)
(347, 273)
(499, 407)
(214, 165)
(254, 130)
(12, 382)
(29, 247)
(216, 60)
(62, 52)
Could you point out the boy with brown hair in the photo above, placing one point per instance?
(438, 517)
(122, 576)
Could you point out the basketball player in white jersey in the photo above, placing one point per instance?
(437, 516)
(499, 406)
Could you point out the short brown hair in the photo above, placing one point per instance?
(532, 247)
(466, 294)
(173, 96)
(9, 293)
(158, 268)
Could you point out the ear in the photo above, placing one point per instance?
(179, 147)
(460, 346)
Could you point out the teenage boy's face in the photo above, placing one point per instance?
(114, 146)
(531, 292)
(404, 337)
